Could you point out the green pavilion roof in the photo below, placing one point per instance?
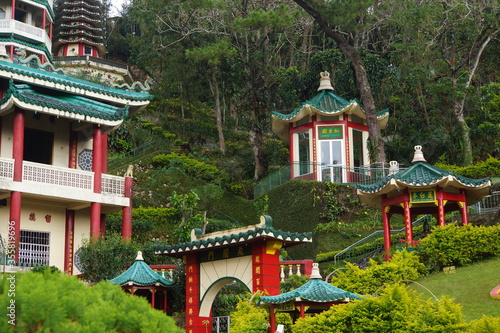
(316, 290)
(60, 101)
(422, 175)
(140, 274)
(235, 236)
(326, 103)
(67, 83)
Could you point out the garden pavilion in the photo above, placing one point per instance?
(315, 296)
(142, 280)
(422, 189)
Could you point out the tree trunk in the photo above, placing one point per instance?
(257, 143)
(376, 143)
(218, 114)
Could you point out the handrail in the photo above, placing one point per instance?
(376, 234)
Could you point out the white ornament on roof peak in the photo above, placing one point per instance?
(418, 155)
(325, 83)
(139, 256)
(315, 272)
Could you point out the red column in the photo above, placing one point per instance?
(18, 145)
(13, 4)
(408, 225)
(16, 197)
(50, 31)
(127, 211)
(15, 221)
(387, 231)
(153, 292)
(192, 293)
(272, 318)
(44, 19)
(69, 241)
(165, 302)
(266, 267)
(439, 196)
(95, 207)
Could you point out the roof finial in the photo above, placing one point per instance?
(315, 272)
(418, 156)
(325, 83)
(139, 256)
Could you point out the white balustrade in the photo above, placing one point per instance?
(113, 185)
(49, 174)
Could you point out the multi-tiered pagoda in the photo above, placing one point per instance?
(79, 29)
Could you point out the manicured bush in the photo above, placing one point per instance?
(54, 302)
(397, 309)
(484, 325)
(460, 245)
(403, 266)
(191, 166)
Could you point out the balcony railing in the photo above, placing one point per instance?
(26, 30)
(53, 175)
(295, 267)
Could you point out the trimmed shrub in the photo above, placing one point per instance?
(460, 245)
(54, 302)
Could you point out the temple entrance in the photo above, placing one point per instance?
(248, 255)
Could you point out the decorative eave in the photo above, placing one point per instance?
(45, 5)
(234, 237)
(423, 176)
(15, 40)
(62, 105)
(73, 85)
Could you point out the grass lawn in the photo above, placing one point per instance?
(469, 286)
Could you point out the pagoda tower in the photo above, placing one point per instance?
(79, 29)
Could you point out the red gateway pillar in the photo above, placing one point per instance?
(193, 321)
(266, 267)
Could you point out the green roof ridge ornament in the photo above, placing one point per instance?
(324, 82)
(266, 220)
(418, 156)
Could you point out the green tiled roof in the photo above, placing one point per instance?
(142, 275)
(67, 83)
(424, 175)
(65, 102)
(232, 239)
(316, 290)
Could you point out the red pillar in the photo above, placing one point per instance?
(439, 196)
(408, 225)
(463, 208)
(192, 294)
(266, 267)
(153, 292)
(69, 241)
(95, 207)
(16, 197)
(127, 211)
(13, 4)
(15, 221)
(387, 231)
(272, 318)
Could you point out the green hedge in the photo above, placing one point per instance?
(488, 168)
(192, 167)
(460, 245)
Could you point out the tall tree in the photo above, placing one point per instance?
(349, 48)
(447, 47)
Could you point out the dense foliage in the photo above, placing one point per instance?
(54, 302)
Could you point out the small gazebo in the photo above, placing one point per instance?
(315, 296)
(422, 189)
(142, 280)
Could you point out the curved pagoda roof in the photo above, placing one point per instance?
(76, 22)
(326, 103)
(315, 290)
(140, 274)
(424, 176)
(263, 230)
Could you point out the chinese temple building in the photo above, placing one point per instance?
(249, 255)
(142, 280)
(327, 136)
(313, 297)
(53, 146)
(422, 189)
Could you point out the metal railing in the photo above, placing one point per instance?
(490, 204)
(221, 324)
(347, 252)
(326, 172)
